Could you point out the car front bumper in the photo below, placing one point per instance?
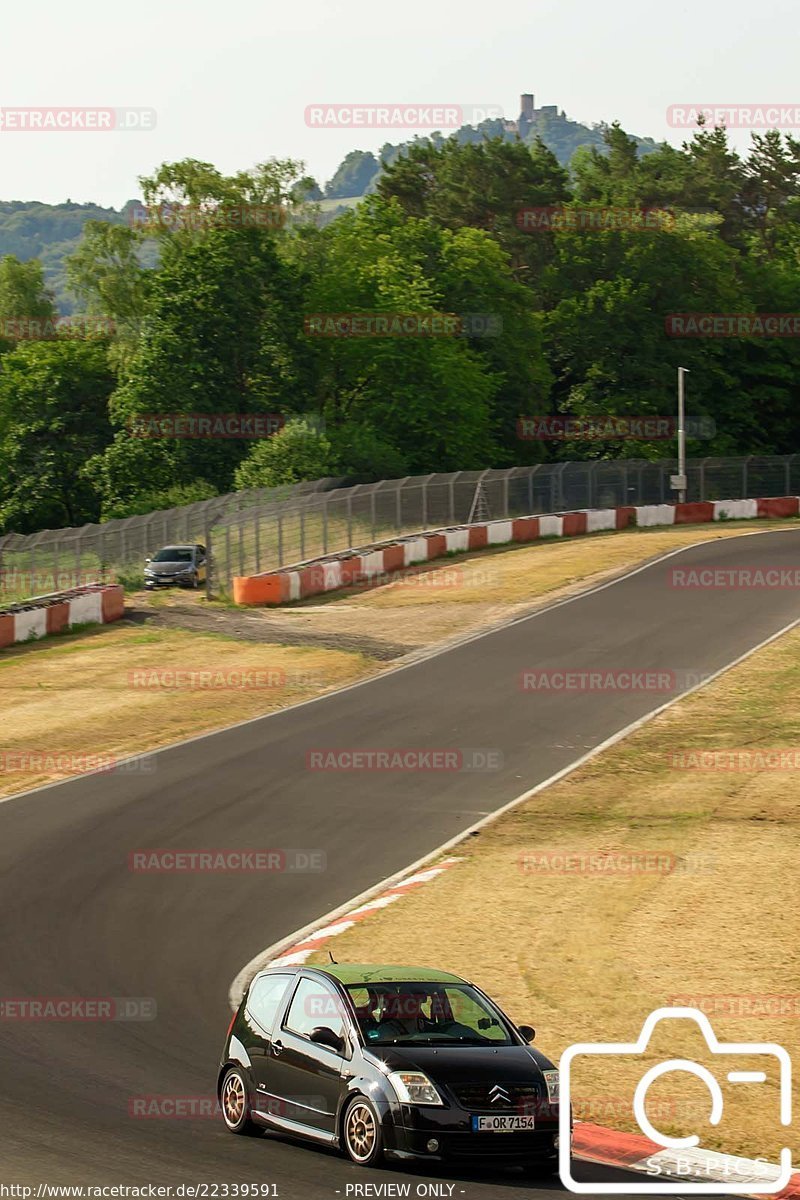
(152, 581)
(409, 1133)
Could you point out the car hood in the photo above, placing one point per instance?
(453, 1064)
(168, 568)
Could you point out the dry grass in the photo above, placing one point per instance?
(586, 956)
(44, 686)
(472, 591)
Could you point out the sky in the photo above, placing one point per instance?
(230, 82)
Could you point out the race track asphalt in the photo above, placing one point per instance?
(76, 921)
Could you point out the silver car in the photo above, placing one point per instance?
(184, 566)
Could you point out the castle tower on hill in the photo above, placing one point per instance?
(529, 113)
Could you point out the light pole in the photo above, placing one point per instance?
(679, 481)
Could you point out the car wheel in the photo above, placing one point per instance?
(363, 1139)
(236, 1105)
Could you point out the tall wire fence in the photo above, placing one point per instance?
(249, 532)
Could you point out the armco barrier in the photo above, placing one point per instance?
(387, 558)
(42, 615)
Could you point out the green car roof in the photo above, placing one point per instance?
(354, 973)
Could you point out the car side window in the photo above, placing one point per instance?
(265, 996)
(315, 1004)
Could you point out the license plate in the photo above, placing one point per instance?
(502, 1124)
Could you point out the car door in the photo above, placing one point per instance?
(264, 1003)
(306, 1075)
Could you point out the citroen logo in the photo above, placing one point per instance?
(499, 1095)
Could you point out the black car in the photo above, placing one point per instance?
(404, 1062)
(181, 565)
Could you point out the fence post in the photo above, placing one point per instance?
(350, 518)
(227, 552)
(302, 534)
(372, 512)
(324, 524)
(280, 537)
(745, 485)
(258, 539)
(209, 559)
(399, 504)
(702, 495)
(530, 489)
(505, 493)
(452, 490)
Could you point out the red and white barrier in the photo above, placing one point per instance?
(43, 615)
(356, 566)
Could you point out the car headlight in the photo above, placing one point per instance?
(413, 1087)
(147, 571)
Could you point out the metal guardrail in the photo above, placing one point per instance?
(248, 532)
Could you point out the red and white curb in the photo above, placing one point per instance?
(43, 615)
(314, 941)
(382, 560)
(633, 1152)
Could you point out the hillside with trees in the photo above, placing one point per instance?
(227, 316)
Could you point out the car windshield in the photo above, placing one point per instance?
(171, 554)
(429, 1014)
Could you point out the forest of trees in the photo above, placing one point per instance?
(223, 318)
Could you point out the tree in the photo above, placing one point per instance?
(354, 175)
(429, 395)
(222, 318)
(299, 451)
(23, 297)
(53, 417)
(108, 277)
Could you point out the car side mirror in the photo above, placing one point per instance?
(323, 1036)
(147, 560)
(528, 1032)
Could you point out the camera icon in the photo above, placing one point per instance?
(769, 1053)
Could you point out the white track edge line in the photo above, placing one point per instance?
(241, 980)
